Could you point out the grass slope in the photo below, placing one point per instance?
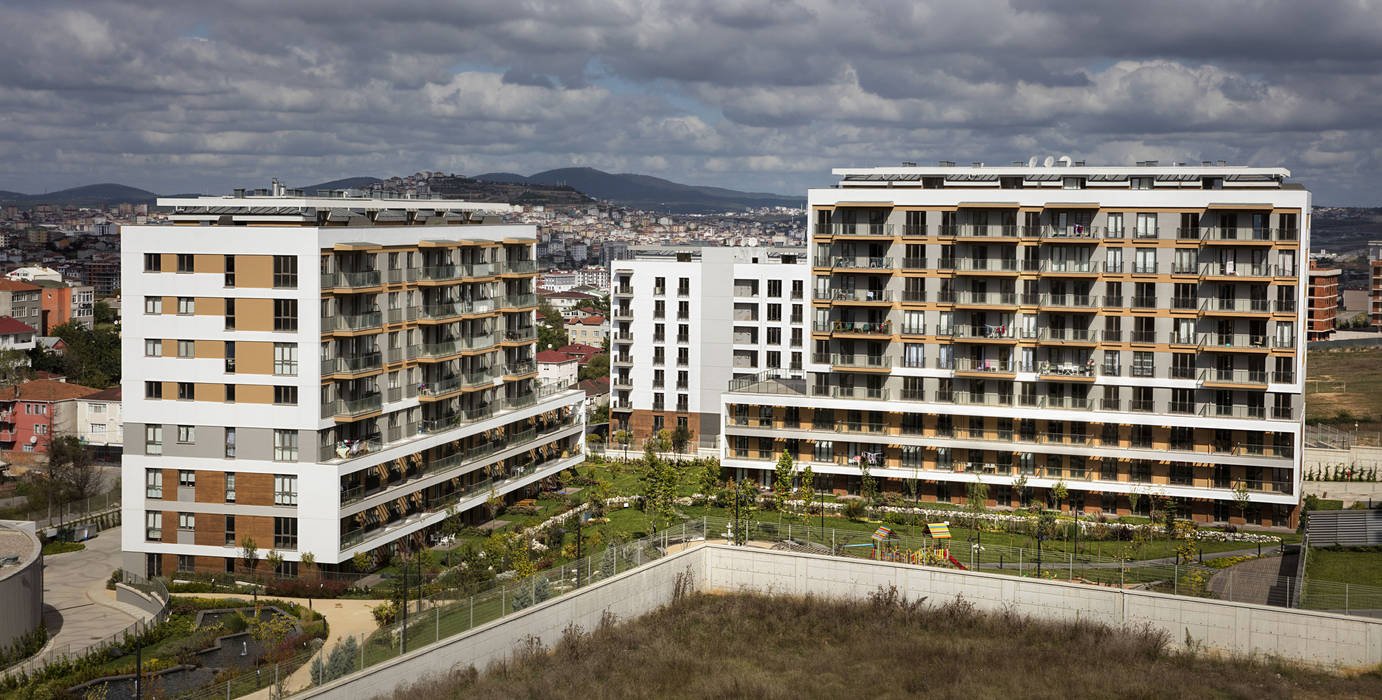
(764, 647)
(1344, 380)
(1361, 565)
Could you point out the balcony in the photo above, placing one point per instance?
(1067, 335)
(623, 336)
(856, 295)
(859, 392)
(1284, 342)
(452, 385)
(1237, 234)
(1145, 268)
(986, 264)
(441, 273)
(1069, 301)
(622, 359)
(1223, 410)
(986, 298)
(624, 291)
(914, 263)
(518, 301)
(1242, 306)
(985, 231)
(861, 361)
(1233, 269)
(1067, 370)
(862, 230)
(1234, 376)
(622, 382)
(864, 263)
(861, 327)
(352, 280)
(1115, 268)
(521, 335)
(1073, 232)
(519, 368)
(401, 315)
(353, 322)
(519, 267)
(1233, 341)
(913, 328)
(1068, 267)
(623, 313)
(353, 408)
(1284, 377)
(354, 365)
(970, 398)
(1078, 403)
(982, 332)
(965, 365)
(1143, 302)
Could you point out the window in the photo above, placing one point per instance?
(41, 429)
(285, 490)
(186, 348)
(230, 531)
(230, 443)
(230, 314)
(153, 262)
(185, 562)
(286, 359)
(230, 270)
(774, 336)
(285, 445)
(153, 483)
(96, 428)
(230, 487)
(184, 262)
(153, 305)
(1115, 225)
(1146, 226)
(285, 314)
(187, 478)
(285, 271)
(286, 395)
(187, 306)
(186, 391)
(153, 525)
(774, 288)
(1143, 364)
(153, 390)
(230, 393)
(187, 521)
(153, 439)
(1142, 183)
(285, 533)
(187, 434)
(153, 348)
(683, 310)
(659, 309)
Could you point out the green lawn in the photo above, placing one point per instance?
(1362, 565)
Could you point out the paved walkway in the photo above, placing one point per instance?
(344, 618)
(77, 608)
(1261, 581)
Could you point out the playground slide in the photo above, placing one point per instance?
(956, 563)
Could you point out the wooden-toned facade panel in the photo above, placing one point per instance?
(254, 358)
(255, 314)
(254, 271)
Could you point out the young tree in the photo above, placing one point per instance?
(868, 486)
(624, 437)
(710, 477)
(1020, 483)
(249, 554)
(1134, 498)
(274, 561)
(745, 498)
(75, 476)
(680, 438)
(782, 481)
(659, 485)
(977, 502)
(1241, 498)
(309, 562)
(1060, 492)
(14, 368)
(808, 492)
(360, 562)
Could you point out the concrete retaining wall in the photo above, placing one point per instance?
(1358, 457)
(626, 596)
(1240, 628)
(125, 593)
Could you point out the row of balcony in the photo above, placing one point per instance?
(1236, 341)
(1056, 267)
(1069, 231)
(1070, 301)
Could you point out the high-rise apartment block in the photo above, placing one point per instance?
(1375, 298)
(1322, 302)
(1128, 332)
(329, 375)
(687, 320)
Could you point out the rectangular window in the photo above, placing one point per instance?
(286, 359)
(285, 445)
(230, 270)
(184, 262)
(153, 525)
(186, 348)
(153, 348)
(186, 391)
(187, 521)
(187, 306)
(153, 483)
(285, 490)
(230, 393)
(774, 288)
(286, 395)
(153, 305)
(285, 533)
(187, 434)
(153, 262)
(230, 314)
(153, 439)
(230, 443)
(230, 487)
(153, 390)
(185, 562)
(285, 271)
(285, 314)
(230, 530)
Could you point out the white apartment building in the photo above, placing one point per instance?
(329, 375)
(96, 419)
(687, 320)
(1128, 332)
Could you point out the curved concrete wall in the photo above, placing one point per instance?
(21, 588)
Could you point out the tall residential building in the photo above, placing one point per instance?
(1322, 302)
(1375, 306)
(1119, 330)
(688, 320)
(420, 356)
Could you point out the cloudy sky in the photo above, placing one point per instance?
(753, 94)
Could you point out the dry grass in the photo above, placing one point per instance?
(1344, 380)
(751, 646)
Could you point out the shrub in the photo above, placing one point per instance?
(306, 588)
(342, 660)
(61, 547)
(854, 510)
(531, 594)
(385, 613)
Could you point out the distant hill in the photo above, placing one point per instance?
(84, 196)
(648, 192)
(349, 183)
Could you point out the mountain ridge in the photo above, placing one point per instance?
(647, 191)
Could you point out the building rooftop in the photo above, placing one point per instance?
(46, 390)
(10, 326)
(17, 548)
(555, 356)
(281, 205)
(111, 394)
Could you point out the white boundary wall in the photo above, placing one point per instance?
(1320, 638)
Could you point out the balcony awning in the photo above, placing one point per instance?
(988, 205)
(357, 246)
(1071, 205)
(1238, 206)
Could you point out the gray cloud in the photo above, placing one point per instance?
(758, 95)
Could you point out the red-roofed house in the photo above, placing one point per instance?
(16, 335)
(596, 390)
(556, 368)
(590, 330)
(26, 412)
(582, 353)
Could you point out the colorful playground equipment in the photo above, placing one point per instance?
(887, 546)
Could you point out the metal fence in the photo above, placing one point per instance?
(152, 587)
(104, 509)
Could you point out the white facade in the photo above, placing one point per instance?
(701, 317)
(558, 372)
